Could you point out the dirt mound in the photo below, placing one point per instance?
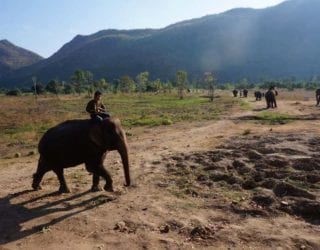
(258, 175)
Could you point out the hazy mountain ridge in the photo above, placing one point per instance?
(241, 43)
(13, 57)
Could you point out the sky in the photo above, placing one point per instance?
(44, 26)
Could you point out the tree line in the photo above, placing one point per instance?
(82, 81)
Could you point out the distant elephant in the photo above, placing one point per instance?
(245, 93)
(318, 96)
(257, 95)
(270, 96)
(81, 141)
(235, 93)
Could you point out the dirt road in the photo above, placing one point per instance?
(191, 190)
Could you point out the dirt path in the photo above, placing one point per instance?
(156, 212)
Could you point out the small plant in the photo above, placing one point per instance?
(167, 122)
(17, 155)
(33, 152)
(246, 132)
(45, 230)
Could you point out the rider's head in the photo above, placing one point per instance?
(97, 95)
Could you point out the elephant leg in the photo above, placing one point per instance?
(42, 169)
(95, 183)
(275, 103)
(63, 185)
(101, 171)
(95, 178)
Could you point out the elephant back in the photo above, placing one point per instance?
(270, 94)
(65, 137)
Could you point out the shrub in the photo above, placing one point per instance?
(14, 92)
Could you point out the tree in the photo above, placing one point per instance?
(88, 77)
(78, 76)
(157, 85)
(54, 87)
(116, 85)
(167, 86)
(34, 81)
(38, 89)
(209, 79)
(69, 89)
(244, 84)
(126, 84)
(81, 78)
(102, 84)
(77, 80)
(14, 92)
(142, 81)
(181, 82)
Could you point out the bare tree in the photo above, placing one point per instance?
(210, 80)
(34, 80)
(182, 82)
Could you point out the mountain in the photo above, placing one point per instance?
(275, 42)
(13, 57)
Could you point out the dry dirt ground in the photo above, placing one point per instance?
(234, 183)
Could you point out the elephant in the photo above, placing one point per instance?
(75, 142)
(258, 95)
(235, 93)
(245, 93)
(318, 96)
(271, 98)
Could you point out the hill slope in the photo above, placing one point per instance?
(240, 43)
(13, 57)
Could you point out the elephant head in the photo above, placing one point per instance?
(109, 135)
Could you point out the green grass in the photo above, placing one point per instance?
(25, 119)
(245, 105)
(274, 118)
(155, 110)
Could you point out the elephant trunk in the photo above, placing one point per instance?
(123, 151)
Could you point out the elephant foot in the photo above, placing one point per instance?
(108, 188)
(64, 190)
(96, 188)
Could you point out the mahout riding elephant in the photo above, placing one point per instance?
(81, 141)
(270, 96)
(318, 96)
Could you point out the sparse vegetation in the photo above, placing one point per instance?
(141, 109)
(274, 118)
(247, 132)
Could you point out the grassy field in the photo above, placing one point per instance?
(25, 119)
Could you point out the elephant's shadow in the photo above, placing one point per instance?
(14, 215)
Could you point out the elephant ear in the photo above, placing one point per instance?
(96, 135)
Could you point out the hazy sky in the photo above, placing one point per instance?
(43, 26)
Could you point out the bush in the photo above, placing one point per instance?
(14, 92)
